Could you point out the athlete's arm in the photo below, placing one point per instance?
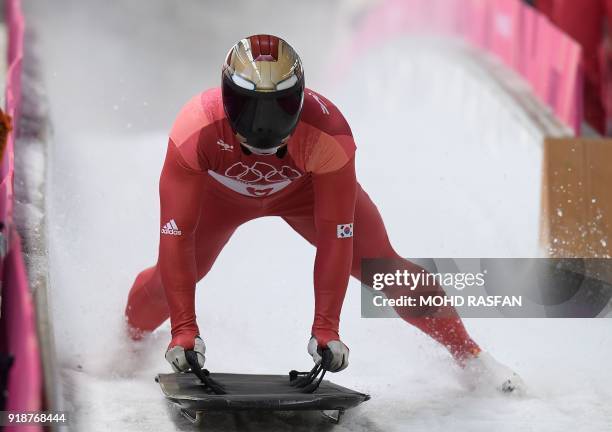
(180, 191)
(335, 194)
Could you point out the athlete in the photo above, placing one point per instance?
(265, 145)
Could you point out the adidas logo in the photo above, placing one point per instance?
(171, 229)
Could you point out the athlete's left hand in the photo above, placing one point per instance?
(339, 351)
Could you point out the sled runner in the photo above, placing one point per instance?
(199, 392)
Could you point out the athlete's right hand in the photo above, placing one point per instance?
(175, 355)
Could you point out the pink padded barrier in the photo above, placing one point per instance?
(25, 378)
(505, 30)
(444, 16)
(544, 34)
(477, 22)
(18, 319)
(520, 36)
(528, 53)
(569, 104)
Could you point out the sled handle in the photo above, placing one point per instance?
(310, 381)
(326, 358)
(202, 374)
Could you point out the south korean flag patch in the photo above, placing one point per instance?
(345, 230)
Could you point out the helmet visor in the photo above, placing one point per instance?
(263, 118)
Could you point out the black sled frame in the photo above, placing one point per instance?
(200, 391)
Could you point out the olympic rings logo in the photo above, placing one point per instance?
(262, 172)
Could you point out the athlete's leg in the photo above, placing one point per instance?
(146, 307)
(371, 241)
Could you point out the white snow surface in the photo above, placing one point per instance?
(452, 169)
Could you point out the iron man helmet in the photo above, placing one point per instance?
(263, 92)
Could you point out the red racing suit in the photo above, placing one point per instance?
(209, 187)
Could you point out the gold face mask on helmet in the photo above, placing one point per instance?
(263, 91)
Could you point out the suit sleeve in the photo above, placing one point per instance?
(181, 196)
(335, 194)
